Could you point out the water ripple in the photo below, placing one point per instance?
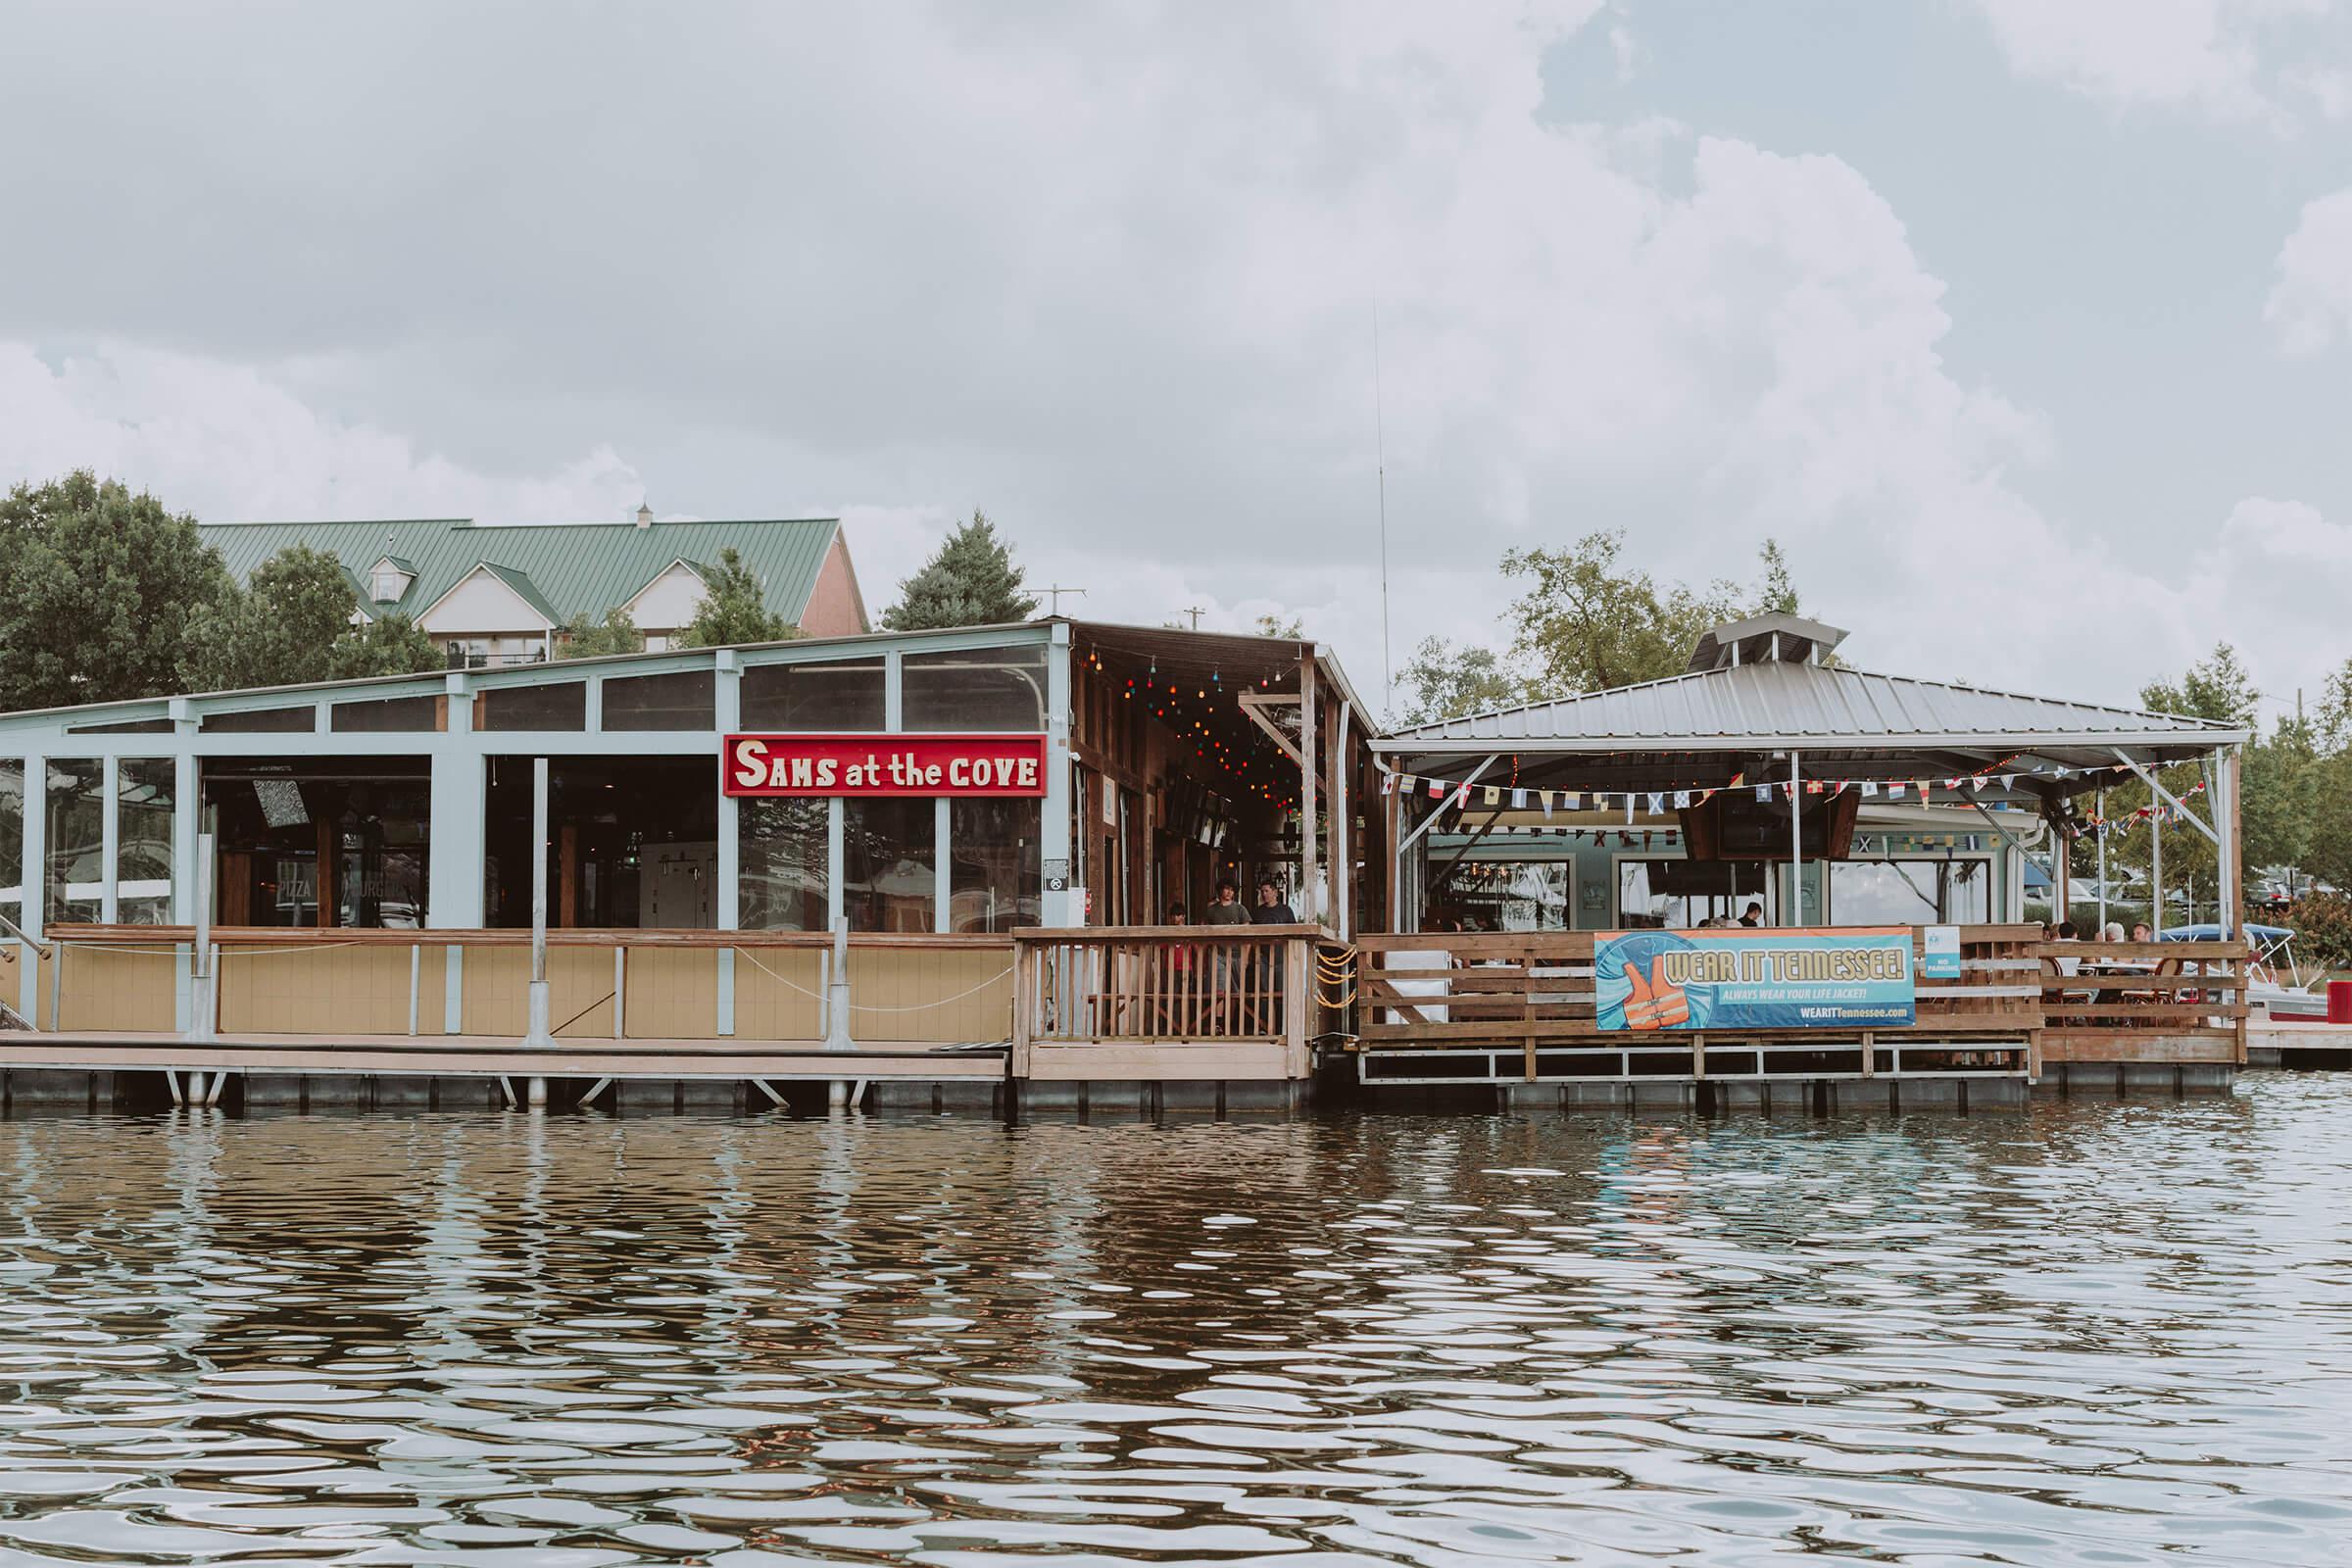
(2082, 1334)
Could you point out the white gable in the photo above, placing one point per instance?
(386, 582)
(481, 604)
(669, 601)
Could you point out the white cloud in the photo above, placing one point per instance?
(2220, 58)
(2311, 300)
(229, 443)
(1111, 277)
(2271, 583)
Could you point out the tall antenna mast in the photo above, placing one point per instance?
(1380, 461)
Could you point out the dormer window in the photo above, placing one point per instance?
(388, 579)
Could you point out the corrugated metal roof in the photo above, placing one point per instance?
(1821, 704)
(573, 569)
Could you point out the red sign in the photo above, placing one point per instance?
(886, 764)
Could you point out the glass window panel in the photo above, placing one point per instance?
(841, 694)
(1511, 895)
(993, 866)
(976, 689)
(888, 848)
(263, 721)
(143, 841)
(387, 715)
(563, 704)
(12, 835)
(781, 855)
(678, 700)
(1682, 895)
(1968, 892)
(124, 726)
(76, 826)
(1885, 892)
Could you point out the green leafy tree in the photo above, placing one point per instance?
(972, 581)
(295, 622)
(734, 608)
(583, 638)
(390, 645)
(1291, 630)
(1587, 621)
(1444, 680)
(98, 585)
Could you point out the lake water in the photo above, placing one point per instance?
(2079, 1333)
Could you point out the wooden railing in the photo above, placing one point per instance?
(1532, 992)
(2145, 1001)
(607, 984)
(1154, 988)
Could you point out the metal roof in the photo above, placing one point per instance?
(1830, 707)
(569, 568)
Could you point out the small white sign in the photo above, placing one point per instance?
(1940, 953)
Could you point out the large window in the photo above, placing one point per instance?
(338, 842)
(562, 705)
(76, 824)
(889, 849)
(143, 841)
(1509, 896)
(1682, 895)
(976, 688)
(682, 700)
(781, 845)
(11, 839)
(1916, 891)
(992, 864)
(836, 694)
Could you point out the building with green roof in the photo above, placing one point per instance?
(502, 594)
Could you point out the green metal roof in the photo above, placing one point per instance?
(562, 570)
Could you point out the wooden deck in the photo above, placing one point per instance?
(487, 1056)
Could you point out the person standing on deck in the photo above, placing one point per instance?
(1272, 910)
(1224, 957)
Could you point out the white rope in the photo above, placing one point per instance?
(866, 1007)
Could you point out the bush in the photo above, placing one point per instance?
(2323, 927)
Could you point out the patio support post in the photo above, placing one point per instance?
(2098, 809)
(2156, 872)
(1309, 699)
(1793, 912)
(538, 1035)
(2226, 892)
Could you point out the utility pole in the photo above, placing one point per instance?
(1195, 611)
(1057, 591)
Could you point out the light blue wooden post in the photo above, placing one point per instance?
(1058, 908)
(726, 694)
(454, 849)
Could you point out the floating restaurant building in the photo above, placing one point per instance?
(947, 868)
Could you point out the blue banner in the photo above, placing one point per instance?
(1799, 978)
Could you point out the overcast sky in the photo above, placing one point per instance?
(2026, 326)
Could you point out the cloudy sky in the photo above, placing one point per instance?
(2026, 326)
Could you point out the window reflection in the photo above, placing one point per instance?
(889, 849)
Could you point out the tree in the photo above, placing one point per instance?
(971, 581)
(295, 622)
(734, 608)
(1291, 630)
(1445, 679)
(583, 638)
(1585, 622)
(99, 584)
(390, 645)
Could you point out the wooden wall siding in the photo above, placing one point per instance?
(497, 991)
(579, 992)
(104, 990)
(768, 1008)
(905, 978)
(672, 992)
(312, 990)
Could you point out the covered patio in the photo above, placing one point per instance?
(1775, 787)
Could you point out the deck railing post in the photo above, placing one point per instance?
(1024, 985)
(620, 987)
(538, 1033)
(416, 972)
(204, 989)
